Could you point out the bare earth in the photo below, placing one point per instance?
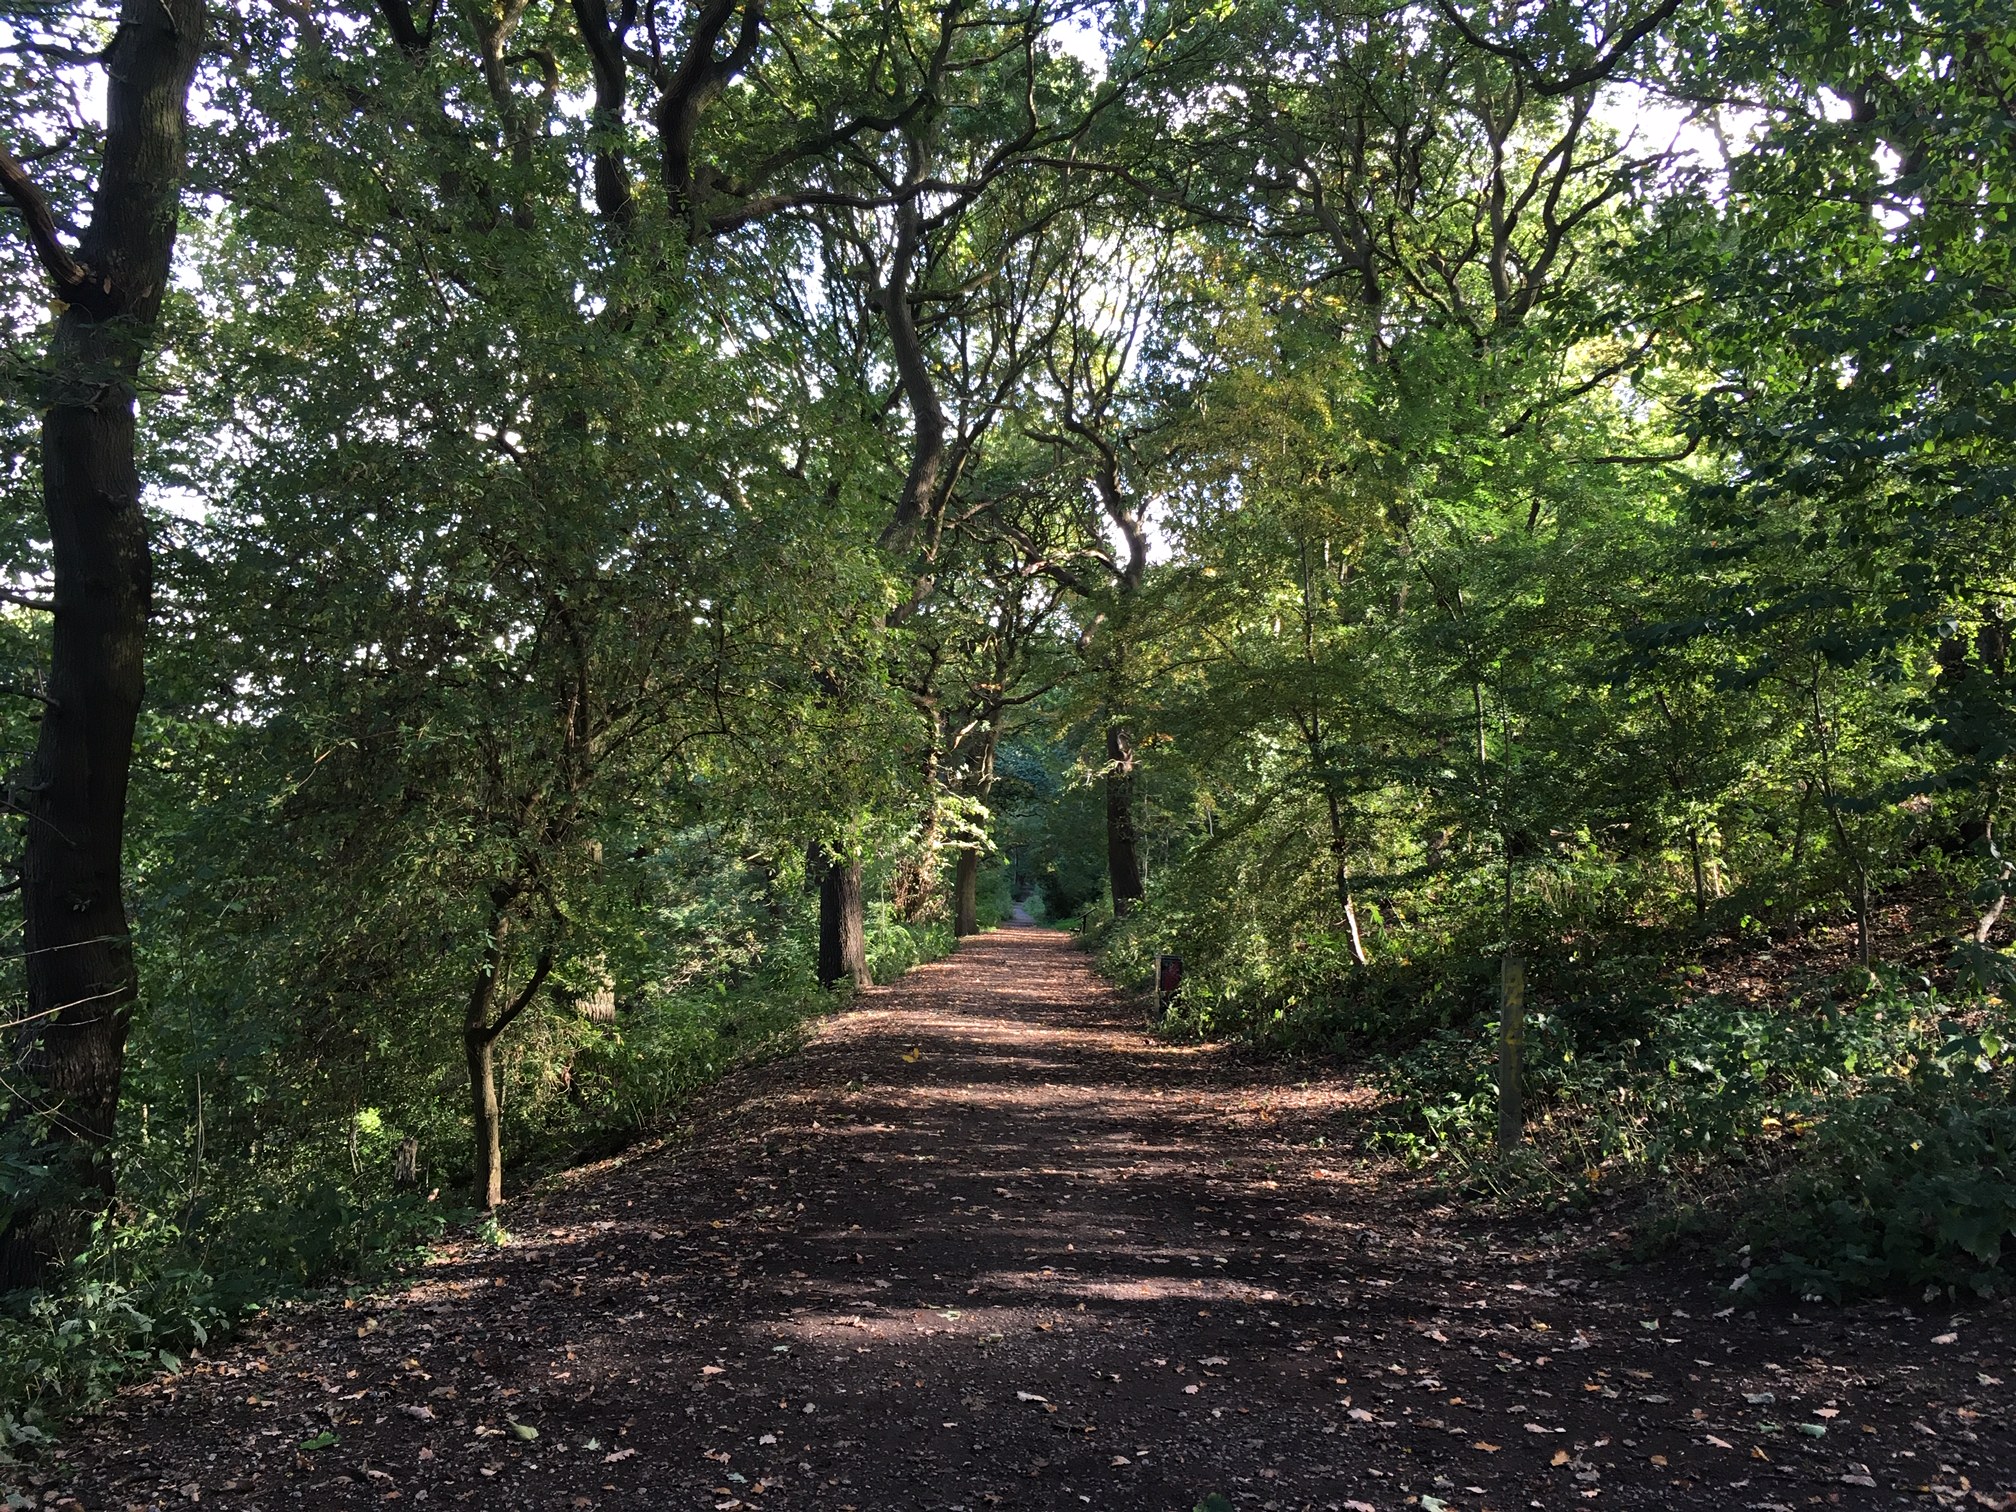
(984, 1243)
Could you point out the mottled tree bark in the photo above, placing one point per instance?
(843, 939)
(486, 1114)
(1123, 845)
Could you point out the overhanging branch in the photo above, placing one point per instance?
(72, 279)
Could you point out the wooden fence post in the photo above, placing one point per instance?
(1511, 1045)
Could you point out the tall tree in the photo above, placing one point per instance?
(70, 1043)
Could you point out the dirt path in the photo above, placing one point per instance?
(984, 1244)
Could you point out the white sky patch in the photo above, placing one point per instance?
(1647, 124)
(1078, 36)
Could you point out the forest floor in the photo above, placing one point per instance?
(983, 1244)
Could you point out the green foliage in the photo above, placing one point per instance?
(1620, 596)
(894, 946)
(1905, 1184)
(1054, 827)
(134, 1302)
(1852, 1146)
(995, 895)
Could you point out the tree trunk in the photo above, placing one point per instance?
(966, 895)
(1338, 853)
(482, 1027)
(80, 977)
(1350, 912)
(1123, 846)
(914, 890)
(479, 1046)
(1985, 927)
(843, 944)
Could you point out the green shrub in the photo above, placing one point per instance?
(1854, 1146)
(995, 894)
(1910, 1182)
(633, 1075)
(895, 947)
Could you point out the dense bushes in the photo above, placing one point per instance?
(1847, 1146)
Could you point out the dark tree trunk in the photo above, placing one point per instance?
(843, 943)
(966, 895)
(81, 983)
(1123, 846)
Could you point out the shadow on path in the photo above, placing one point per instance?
(984, 1243)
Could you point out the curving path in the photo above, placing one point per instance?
(984, 1244)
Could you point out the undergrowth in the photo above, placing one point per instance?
(1855, 1135)
(1837, 1146)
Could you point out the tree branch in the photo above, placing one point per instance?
(1594, 72)
(524, 999)
(71, 278)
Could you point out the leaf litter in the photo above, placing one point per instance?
(756, 1312)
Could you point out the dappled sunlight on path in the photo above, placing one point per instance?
(985, 1243)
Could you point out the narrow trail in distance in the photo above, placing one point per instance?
(984, 1243)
